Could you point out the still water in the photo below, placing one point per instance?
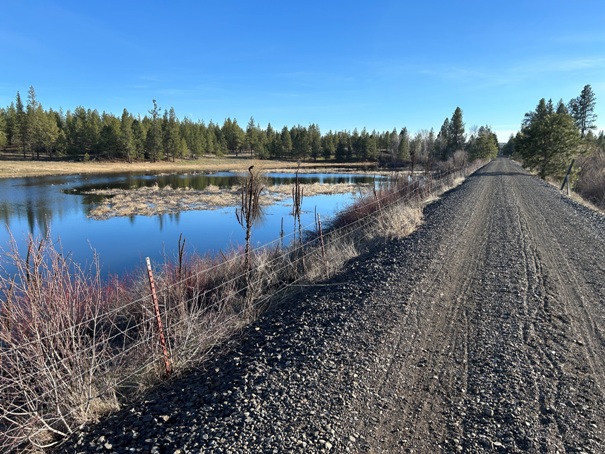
(55, 204)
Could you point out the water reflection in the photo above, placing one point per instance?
(34, 202)
(55, 204)
(202, 181)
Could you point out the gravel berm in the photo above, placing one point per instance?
(484, 331)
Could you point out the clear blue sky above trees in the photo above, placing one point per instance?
(342, 65)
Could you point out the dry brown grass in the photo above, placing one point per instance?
(317, 189)
(400, 220)
(149, 201)
(21, 168)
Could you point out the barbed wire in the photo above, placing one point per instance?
(288, 253)
(292, 256)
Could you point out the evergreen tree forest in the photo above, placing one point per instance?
(27, 129)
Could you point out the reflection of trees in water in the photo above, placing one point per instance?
(5, 212)
(221, 180)
(134, 181)
(35, 200)
(36, 212)
(39, 214)
(174, 218)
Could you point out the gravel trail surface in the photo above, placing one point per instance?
(484, 331)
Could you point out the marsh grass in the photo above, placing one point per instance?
(150, 201)
(74, 347)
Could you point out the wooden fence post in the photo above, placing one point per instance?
(321, 240)
(566, 179)
(158, 318)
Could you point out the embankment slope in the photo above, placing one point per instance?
(484, 331)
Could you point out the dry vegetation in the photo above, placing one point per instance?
(148, 201)
(591, 179)
(16, 167)
(73, 348)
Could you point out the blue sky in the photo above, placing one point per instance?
(342, 65)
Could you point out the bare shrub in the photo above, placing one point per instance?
(53, 346)
(460, 159)
(591, 178)
(250, 207)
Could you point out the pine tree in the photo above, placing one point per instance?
(109, 137)
(286, 142)
(170, 134)
(315, 141)
(456, 134)
(11, 125)
(547, 140)
(403, 149)
(153, 141)
(341, 148)
(92, 131)
(22, 126)
(483, 145)
(3, 137)
(139, 135)
(562, 108)
(251, 136)
(328, 147)
(42, 129)
(582, 110)
(234, 135)
(126, 139)
(443, 140)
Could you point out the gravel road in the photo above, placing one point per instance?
(484, 331)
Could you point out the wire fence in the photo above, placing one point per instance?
(71, 348)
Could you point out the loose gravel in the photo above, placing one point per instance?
(484, 331)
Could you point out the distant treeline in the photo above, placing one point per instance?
(85, 134)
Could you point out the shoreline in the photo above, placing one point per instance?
(22, 168)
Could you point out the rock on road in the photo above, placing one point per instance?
(484, 331)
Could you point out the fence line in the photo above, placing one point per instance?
(151, 317)
(13, 412)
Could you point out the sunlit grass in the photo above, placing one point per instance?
(149, 201)
(15, 166)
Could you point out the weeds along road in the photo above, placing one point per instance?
(484, 331)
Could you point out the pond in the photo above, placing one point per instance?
(61, 206)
